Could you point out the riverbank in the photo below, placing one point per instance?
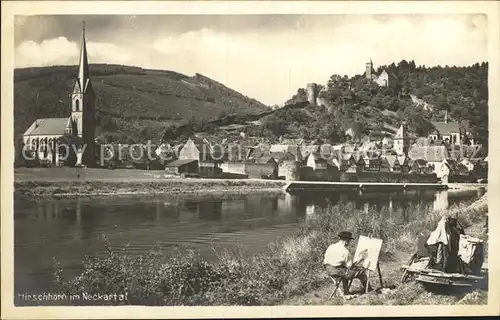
(288, 272)
(33, 183)
(66, 189)
(64, 182)
(473, 217)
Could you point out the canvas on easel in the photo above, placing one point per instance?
(366, 255)
(367, 252)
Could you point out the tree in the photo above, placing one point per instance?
(276, 125)
(66, 146)
(221, 114)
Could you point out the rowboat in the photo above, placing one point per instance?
(422, 268)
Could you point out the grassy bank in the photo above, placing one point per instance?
(287, 272)
(61, 182)
(51, 189)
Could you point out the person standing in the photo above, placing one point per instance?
(454, 230)
(338, 262)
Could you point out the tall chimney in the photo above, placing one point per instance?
(446, 116)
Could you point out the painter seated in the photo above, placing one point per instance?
(338, 262)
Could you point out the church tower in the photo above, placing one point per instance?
(369, 68)
(401, 141)
(83, 105)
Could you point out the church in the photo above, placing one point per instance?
(43, 134)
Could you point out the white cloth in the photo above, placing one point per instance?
(337, 255)
(467, 248)
(440, 234)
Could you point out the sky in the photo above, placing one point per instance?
(266, 57)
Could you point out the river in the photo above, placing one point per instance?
(71, 228)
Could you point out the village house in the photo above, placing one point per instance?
(372, 162)
(420, 166)
(432, 155)
(279, 152)
(256, 151)
(359, 161)
(329, 152)
(241, 151)
(167, 153)
(263, 167)
(289, 166)
(348, 160)
(178, 167)
(209, 159)
(458, 171)
(422, 142)
(43, 135)
(349, 134)
(404, 163)
(306, 150)
(321, 169)
(390, 163)
(453, 171)
(467, 164)
(387, 142)
(368, 146)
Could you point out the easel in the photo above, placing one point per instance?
(369, 273)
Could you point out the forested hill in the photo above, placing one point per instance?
(416, 94)
(133, 104)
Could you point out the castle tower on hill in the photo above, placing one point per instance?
(369, 68)
(381, 80)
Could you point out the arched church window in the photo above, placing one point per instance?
(42, 145)
(77, 105)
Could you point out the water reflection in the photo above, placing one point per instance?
(441, 200)
(70, 229)
(84, 216)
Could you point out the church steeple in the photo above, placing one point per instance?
(83, 71)
(83, 106)
(401, 140)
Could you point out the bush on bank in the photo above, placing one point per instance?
(287, 267)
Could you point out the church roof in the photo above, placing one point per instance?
(392, 160)
(446, 128)
(401, 134)
(48, 126)
(429, 153)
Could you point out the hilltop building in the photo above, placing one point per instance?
(43, 134)
(381, 80)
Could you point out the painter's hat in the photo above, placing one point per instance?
(345, 235)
